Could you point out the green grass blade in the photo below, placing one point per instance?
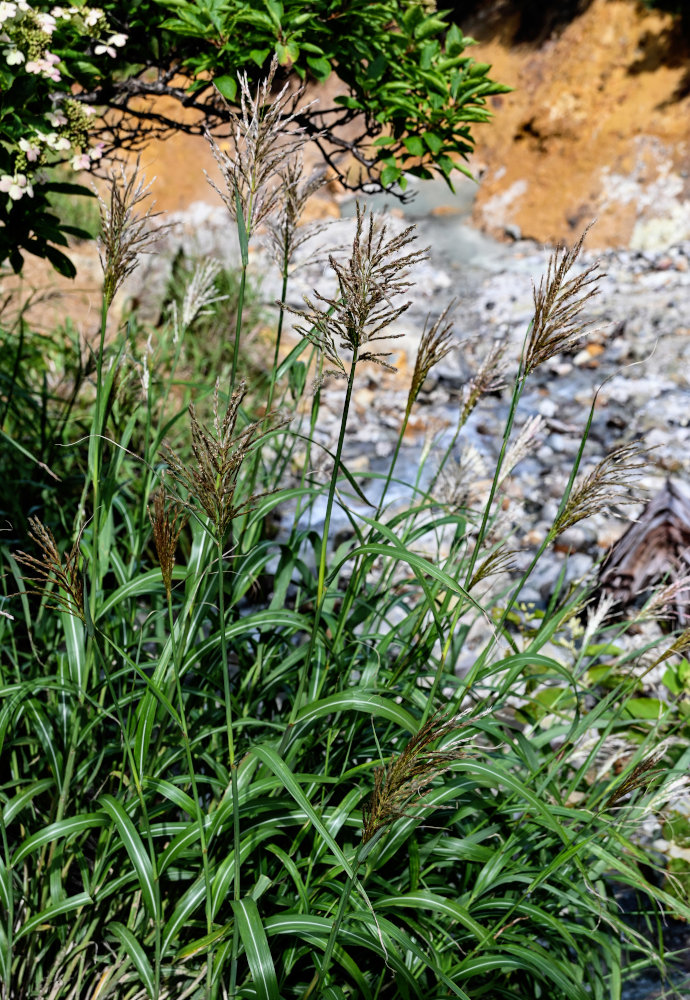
(58, 909)
(359, 701)
(63, 828)
(137, 853)
(134, 950)
(256, 946)
(190, 900)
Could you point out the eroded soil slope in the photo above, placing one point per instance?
(598, 125)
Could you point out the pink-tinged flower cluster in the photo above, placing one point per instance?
(16, 187)
(32, 151)
(25, 49)
(47, 66)
(83, 161)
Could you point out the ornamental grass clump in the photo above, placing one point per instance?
(261, 758)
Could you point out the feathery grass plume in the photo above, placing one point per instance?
(595, 619)
(640, 777)
(501, 560)
(167, 521)
(125, 233)
(489, 377)
(558, 304)
(458, 485)
(608, 483)
(668, 602)
(433, 347)
(411, 772)
(368, 281)
(219, 453)
(200, 293)
(51, 567)
(678, 645)
(284, 234)
(264, 135)
(523, 444)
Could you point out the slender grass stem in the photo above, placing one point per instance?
(238, 323)
(279, 334)
(195, 792)
(231, 757)
(320, 587)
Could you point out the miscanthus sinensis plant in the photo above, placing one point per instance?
(238, 759)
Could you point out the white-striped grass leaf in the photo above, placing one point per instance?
(138, 855)
(336, 817)
(203, 944)
(533, 960)
(191, 618)
(174, 795)
(12, 698)
(392, 934)
(270, 758)
(143, 584)
(427, 901)
(187, 904)
(5, 952)
(298, 923)
(179, 846)
(44, 731)
(118, 567)
(403, 827)
(48, 915)
(256, 948)
(260, 621)
(493, 773)
(536, 916)
(226, 869)
(76, 650)
(293, 871)
(283, 497)
(314, 931)
(382, 945)
(69, 827)
(17, 802)
(134, 951)
(6, 893)
(359, 701)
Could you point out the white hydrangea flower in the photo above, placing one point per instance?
(32, 151)
(7, 11)
(93, 16)
(81, 161)
(57, 142)
(46, 22)
(16, 187)
(13, 57)
(111, 45)
(56, 118)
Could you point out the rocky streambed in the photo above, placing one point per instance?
(635, 358)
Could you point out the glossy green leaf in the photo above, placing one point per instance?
(138, 854)
(135, 951)
(256, 947)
